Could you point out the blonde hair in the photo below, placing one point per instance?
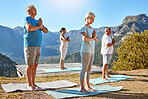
(28, 8)
(89, 14)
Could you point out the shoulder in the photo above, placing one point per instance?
(83, 29)
(28, 18)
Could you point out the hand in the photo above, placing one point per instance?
(97, 39)
(67, 38)
(39, 22)
(113, 41)
(94, 37)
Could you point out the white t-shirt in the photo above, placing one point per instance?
(104, 49)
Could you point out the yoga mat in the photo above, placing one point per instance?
(115, 78)
(59, 70)
(11, 87)
(74, 92)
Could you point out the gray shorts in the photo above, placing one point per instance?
(32, 55)
(107, 59)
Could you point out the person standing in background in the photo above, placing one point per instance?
(106, 51)
(63, 47)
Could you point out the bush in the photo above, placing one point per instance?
(133, 53)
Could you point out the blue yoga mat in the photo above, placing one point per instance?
(74, 92)
(59, 70)
(115, 78)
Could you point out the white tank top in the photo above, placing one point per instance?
(64, 43)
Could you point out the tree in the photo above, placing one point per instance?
(133, 52)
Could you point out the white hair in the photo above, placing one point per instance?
(29, 7)
(89, 14)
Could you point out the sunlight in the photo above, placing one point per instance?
(64, 5)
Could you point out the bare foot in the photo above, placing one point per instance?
(63, 68)
(36, 87)
(90, 89)
(109, 77)
(105, 79)
(84, 91)
(30, 87)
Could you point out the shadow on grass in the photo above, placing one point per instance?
(123, 95)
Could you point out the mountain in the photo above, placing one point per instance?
(129, 25)
(7, 67)
(12, 42)
(136, 23)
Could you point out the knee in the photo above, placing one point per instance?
(35, 66)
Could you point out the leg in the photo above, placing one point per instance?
(63, 50)
(103, 71)
(109, 57)
(85, 59)
(37, 57)
(88, 73)
(62, 64)
(29, 57)
(105, 64)
(34, 73)
(28, 76)
(107, 75)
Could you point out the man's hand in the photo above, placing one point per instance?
(113, 41)
(40, 23)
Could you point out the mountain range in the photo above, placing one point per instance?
(11, 40)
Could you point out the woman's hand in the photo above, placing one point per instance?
(67, 39)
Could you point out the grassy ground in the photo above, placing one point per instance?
(136, 88)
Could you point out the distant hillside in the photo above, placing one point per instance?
(7, 67)
(136, 23)
(129, 25)
(12, 39)
(12, 42)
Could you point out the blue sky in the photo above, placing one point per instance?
(70, 13)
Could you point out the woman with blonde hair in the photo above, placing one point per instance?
(63, 47)
(87, 51)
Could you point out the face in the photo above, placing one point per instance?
(108, 32)
(64, 31)
(33, 11)
(90, 20)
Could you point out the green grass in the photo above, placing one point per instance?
(136, 88)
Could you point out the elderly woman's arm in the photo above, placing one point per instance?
(84, 38)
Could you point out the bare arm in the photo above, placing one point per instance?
(30, 27)
(62, 37)
(109, 44)
(45, 30)
(84, 38)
